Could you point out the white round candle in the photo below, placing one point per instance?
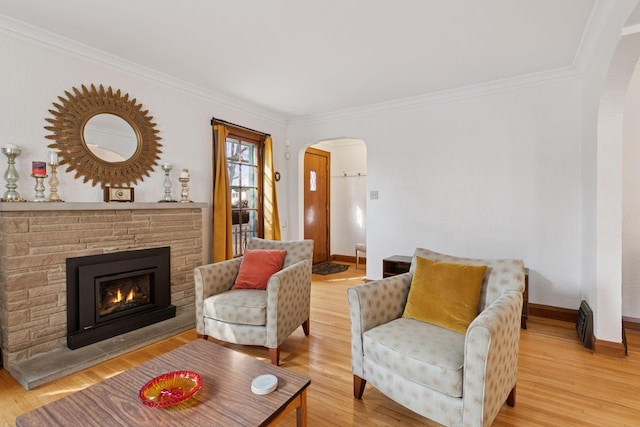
(53, 157)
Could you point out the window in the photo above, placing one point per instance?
(244, 160)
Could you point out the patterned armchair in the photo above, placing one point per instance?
(252, 316)
(455, 379)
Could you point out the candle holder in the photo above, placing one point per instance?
(53, 184)
(167, 183)
(185, 190)
(11, 175)
(39, 197)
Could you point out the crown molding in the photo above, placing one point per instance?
(600, 15)
(23, 31)
(449, 95)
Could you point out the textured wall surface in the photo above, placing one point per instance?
(34, 246)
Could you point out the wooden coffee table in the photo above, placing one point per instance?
(225, 398)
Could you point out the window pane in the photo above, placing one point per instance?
(234, 174)
(233, 147)
(237, 240)
(248, 154)
(251, 197)
(312, 180)
(235, 197)
(253, 220)
(248, 175)
(239, 215)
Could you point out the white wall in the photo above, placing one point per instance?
(631, 200)
(491, 175)
(33, 75)
(348, 193)
(605, 76)
(515, 172)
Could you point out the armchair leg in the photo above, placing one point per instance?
(358, 386)
(204, 337)
(511, 399)
(305, 327)
(275, 356)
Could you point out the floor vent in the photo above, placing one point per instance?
(584, 324)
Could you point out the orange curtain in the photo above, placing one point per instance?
(222, 243)
(270, 203)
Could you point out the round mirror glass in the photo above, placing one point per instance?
(110, 138)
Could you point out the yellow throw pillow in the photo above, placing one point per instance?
(445, 294)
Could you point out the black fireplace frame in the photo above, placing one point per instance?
(87, 328)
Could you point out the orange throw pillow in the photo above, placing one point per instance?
(257, 266)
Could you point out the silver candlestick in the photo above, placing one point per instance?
(166, 167)
(184, 179)
(39, 197)
(11, 175)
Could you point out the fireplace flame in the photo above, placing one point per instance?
(130, 296)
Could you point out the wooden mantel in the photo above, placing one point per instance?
(93, 206)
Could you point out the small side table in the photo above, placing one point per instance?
(396, 264)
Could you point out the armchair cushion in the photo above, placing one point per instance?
(445, 294)
(428, 354)
(241, 306)
(257, 266)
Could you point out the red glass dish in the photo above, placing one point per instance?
(170, 388)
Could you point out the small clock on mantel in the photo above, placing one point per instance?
(118, 194)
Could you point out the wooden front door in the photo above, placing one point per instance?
(316, 202)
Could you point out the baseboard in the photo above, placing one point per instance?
(601, 347)
(555, 313)
(348, 258)
(631, 323)
(609, 348)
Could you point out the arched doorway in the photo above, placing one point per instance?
(606, 293)
(347, 187)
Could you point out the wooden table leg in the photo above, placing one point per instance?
(301, 411)
(300, 405)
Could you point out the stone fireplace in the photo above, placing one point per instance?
(36, 239)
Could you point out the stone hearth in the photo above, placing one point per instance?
(35, 241)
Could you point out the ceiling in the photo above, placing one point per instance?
(299, 58)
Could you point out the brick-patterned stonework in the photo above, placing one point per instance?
(37, 238)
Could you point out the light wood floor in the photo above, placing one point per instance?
(560, 383)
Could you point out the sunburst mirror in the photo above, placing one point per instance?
(104, 136)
